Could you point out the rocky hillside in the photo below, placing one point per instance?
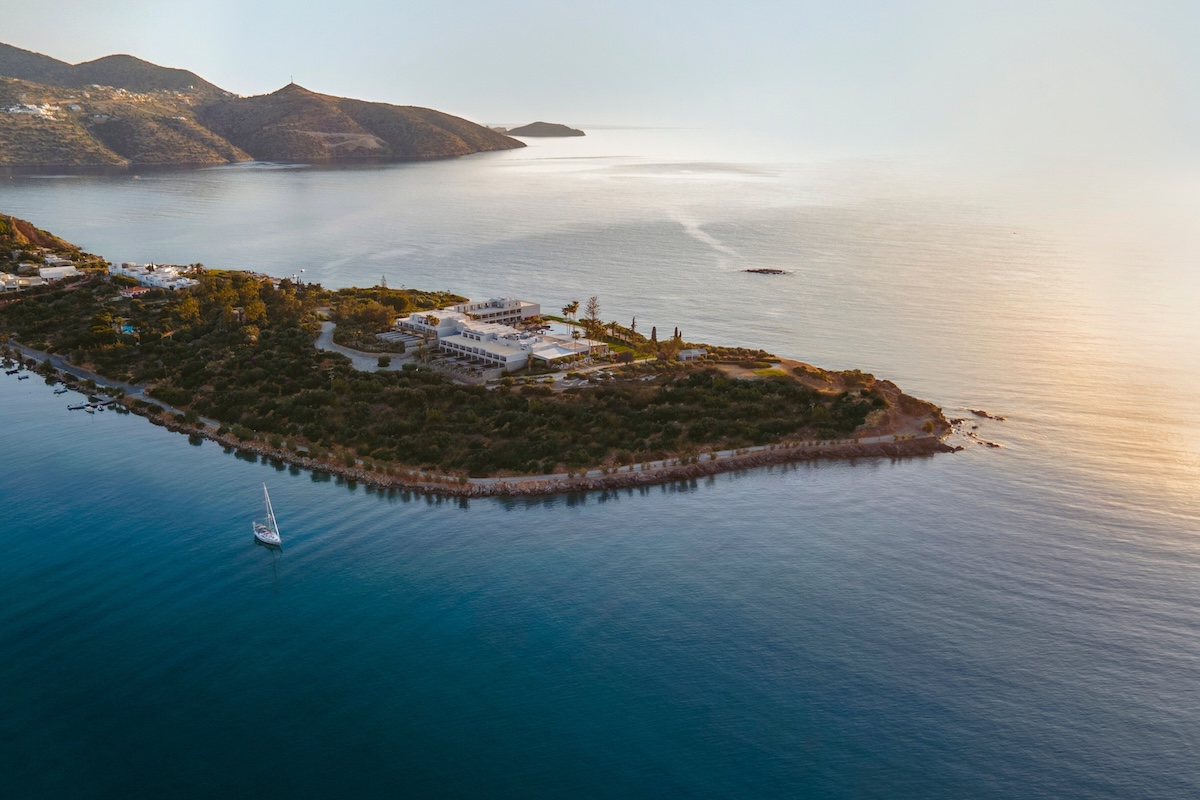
(122, 71)
(296, 124)
(122, 111)
(17, 234)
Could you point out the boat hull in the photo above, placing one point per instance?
(264, 535)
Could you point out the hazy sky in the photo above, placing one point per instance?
(1076, 78)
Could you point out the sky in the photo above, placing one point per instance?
(1090, 81)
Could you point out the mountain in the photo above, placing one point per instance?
(30, 66)
(137, 75)
(121, 71)
(121, 111)
(545, 129)
(297, 124)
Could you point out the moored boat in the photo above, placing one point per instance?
(266, 530)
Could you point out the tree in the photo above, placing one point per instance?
(569, 311)
(633, 325)
(592, 315)
(653, 336)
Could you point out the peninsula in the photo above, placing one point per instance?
(591, 404)
(122, 111)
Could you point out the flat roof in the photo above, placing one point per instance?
(489, 346)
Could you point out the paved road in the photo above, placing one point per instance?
(363, 362)
(130, 389)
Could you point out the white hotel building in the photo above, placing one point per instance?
(160, 276)
(483, 331)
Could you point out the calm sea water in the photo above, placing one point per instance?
(1022, 621)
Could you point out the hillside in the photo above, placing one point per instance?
(55, 126)
(137, 75)
(297, 124)
(17, 234)
(122, 71)
(122, 111)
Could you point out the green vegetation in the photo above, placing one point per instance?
(239, 350)
(361, 313)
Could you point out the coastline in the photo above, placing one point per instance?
(669, 470)
(656, 473)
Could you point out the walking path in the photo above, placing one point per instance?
(650, 467)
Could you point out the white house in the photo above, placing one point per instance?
(58, 273)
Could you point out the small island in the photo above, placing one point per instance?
(544, 129)
(427, 390)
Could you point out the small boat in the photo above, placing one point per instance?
(22, 377)
(61, 390)
(90, 410)
(266, 530)
(12, 371)
(78, 407)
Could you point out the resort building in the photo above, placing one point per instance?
(467, 330)
(503, 310)
(160, 276)
(495, 345)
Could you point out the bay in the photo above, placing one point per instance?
(997, 622)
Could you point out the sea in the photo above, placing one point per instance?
(1017, 619)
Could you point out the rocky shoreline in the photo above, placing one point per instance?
(657, 473)
(449, 486)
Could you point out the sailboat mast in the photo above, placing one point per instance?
(270, 511)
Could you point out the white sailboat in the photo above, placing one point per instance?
(267, 530)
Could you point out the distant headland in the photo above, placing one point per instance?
(541, 129)
(427, 390)
(121, 111)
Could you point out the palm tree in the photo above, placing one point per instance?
(569, 311)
